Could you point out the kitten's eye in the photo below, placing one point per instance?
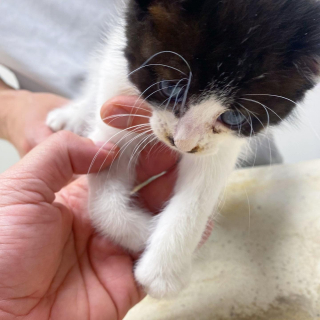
(173, 90)
(233, 118)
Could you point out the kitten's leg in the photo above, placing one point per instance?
(165, 267)
(113, 211)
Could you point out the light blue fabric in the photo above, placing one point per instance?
(47, 43)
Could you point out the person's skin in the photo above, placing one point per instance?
(22, 122)
(23, 114)
(52, 264)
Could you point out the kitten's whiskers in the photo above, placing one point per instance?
(155, 64)
(101, 148)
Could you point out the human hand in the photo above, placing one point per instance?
(52, 264)
(22, 117)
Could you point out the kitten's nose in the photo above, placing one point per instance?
(189, 146)
(187, 135)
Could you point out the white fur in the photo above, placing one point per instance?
(165, 267)
(171, 238)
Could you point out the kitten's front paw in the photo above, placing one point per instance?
(64, 119)
(162, 279)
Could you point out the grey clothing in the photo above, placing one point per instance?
(47, 43)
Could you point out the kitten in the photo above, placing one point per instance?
(214, 73)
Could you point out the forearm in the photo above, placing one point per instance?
(23, 114)
(4, 108)
(12, 105)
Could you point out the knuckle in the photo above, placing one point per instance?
(60, 139)
(64, 135)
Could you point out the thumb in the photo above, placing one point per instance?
(55, 161)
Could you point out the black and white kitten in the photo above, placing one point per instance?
(215, 72)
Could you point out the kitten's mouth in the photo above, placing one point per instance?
(195, 150)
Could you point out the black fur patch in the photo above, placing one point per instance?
(237, 49)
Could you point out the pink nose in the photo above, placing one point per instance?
(190, 146)
(187, 136)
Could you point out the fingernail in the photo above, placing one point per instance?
(105, 146)
(123, 120)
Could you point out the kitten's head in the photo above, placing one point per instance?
(214, 69)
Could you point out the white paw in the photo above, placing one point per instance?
(65, 119)
(162, 279)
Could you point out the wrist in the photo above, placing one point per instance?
(4, 109)
(4, 115)
(10, 112)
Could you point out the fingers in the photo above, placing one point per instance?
(156, 194)
(62, 155)
(153, 161)
(40, 134)
(126, 112)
